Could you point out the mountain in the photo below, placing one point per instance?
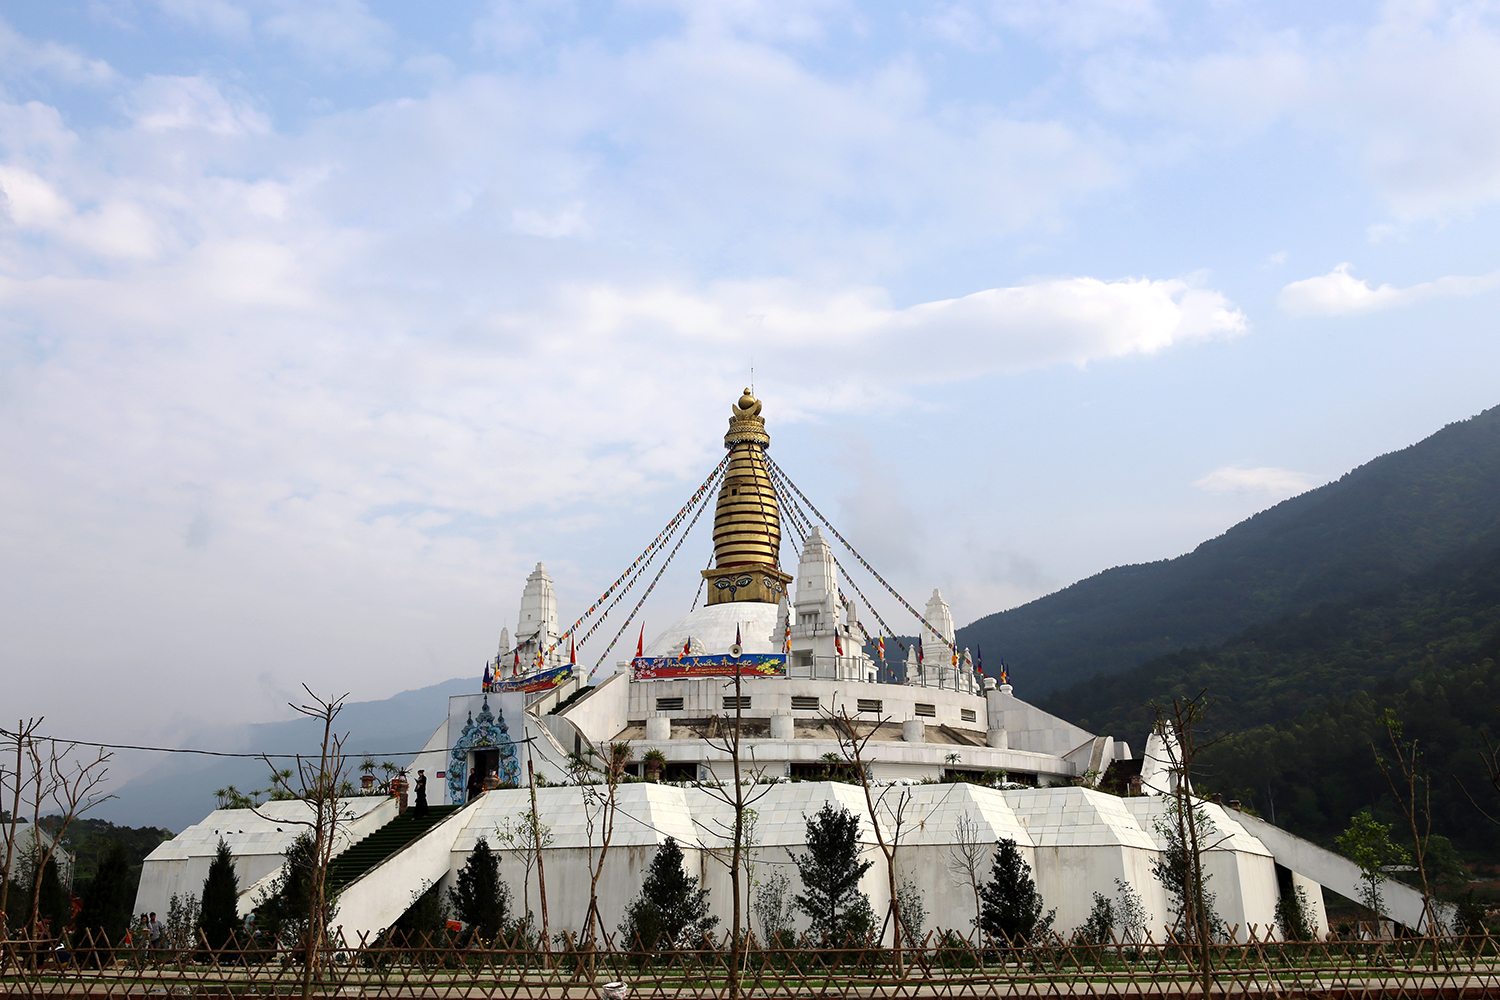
(1300, 702)
(180, 791)
(1378, 525)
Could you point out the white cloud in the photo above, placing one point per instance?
(1264, 479)
(21, 56)
(335, 33)
(165, 103)
(1340, 293)
(1415, 92)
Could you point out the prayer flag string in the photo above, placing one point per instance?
(776, 469)
(645, 557)
(790, 502)
(657, 579)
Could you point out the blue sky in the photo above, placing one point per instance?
(322, 322)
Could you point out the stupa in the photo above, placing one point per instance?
(787, 662)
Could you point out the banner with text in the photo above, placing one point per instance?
(658, 668)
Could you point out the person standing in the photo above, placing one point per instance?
(157, 930)
(476, 785)
(421, 811)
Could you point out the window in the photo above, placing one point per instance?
(731, 702)
(801, 703)
(808, 619)
(930, 711)
(870, 705)
(669, 704)
(802, 659)
(968, 715)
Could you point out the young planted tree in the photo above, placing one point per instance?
(218, 914)
(13, 781)
(599, 809)
(671, 911)
(526, 837)
(1191, 901)
(1412, 787)
(1180, 728)
(1010, 907)
(106, 905)
(738, 795)
(283, 906)
(478, 897)
(887, 814)
(56, 779)
(1367, 843)
(836, 908)
(773, 908)
(966, 858)
(318, 783)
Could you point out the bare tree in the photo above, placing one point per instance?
(317, 783)
(70, 785)
(24, 733)
(852, 744)
(1412, 789)
(525, 837)
(967, 857)
(599, 808)
(541, 870)
(1179, 726)
(740, 801)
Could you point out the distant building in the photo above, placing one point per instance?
(32, 842)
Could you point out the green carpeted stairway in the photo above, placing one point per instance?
(375, 848)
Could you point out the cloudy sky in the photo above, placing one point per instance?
(322, 321)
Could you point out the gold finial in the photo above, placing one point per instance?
(746, 423)
(747, 521)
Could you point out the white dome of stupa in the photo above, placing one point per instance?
(712, 630)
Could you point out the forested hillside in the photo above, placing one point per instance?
(1374, 528)
(1301, 699)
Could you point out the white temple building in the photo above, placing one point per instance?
(799, 650)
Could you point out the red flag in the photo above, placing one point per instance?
(737, 633)
(838, 644)
(572, 653)
(640, 644)
(687, 647)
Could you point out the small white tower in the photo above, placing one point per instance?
(823, 643)
(538, 618)
(937, 648)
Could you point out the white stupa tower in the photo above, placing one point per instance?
(536, 626)
(937, 647)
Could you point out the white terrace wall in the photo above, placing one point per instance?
(1241, 870)
(258, 843)
(1077, 840)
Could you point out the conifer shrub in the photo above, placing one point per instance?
(218, 912)
(837, 910)
(671, 911)
(1010, 907)
(478, 897)
(106, 904)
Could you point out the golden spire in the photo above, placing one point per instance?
(747, 521)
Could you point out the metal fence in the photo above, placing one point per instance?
(942, 965)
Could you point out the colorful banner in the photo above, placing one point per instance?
(659, 668)
(546, 680)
